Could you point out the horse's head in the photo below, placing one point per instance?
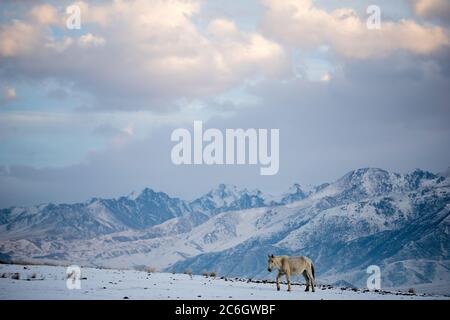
(271, 263)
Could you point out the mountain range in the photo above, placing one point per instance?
(399, 222)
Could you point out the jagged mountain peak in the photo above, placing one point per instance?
(294, 193)
(295, 189)
(227, 197)
(223, 189)
(132, 195)
(148, 192)
(371, 173)
(150, 195)
(366, 182)
(229, 192)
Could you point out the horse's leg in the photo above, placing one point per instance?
(305, 275)
(311, 279)
(288, 278)
(278, 280)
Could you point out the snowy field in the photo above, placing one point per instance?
(49, 282)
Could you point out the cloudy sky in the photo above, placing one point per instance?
(89, 112)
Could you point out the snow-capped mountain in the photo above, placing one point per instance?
(399, 222)
(133, 212)
(227, 198)
(92, 218)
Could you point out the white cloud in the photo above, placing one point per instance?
(45, 14)
(432, 8)
(90, 40)
(299, 23)
(144, 49)
(17, 38)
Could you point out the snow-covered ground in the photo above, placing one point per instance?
(49, 282)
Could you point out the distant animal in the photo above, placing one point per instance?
(290, 266)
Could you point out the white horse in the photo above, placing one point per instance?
(292, 265)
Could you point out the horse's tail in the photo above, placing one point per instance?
(312, 270)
